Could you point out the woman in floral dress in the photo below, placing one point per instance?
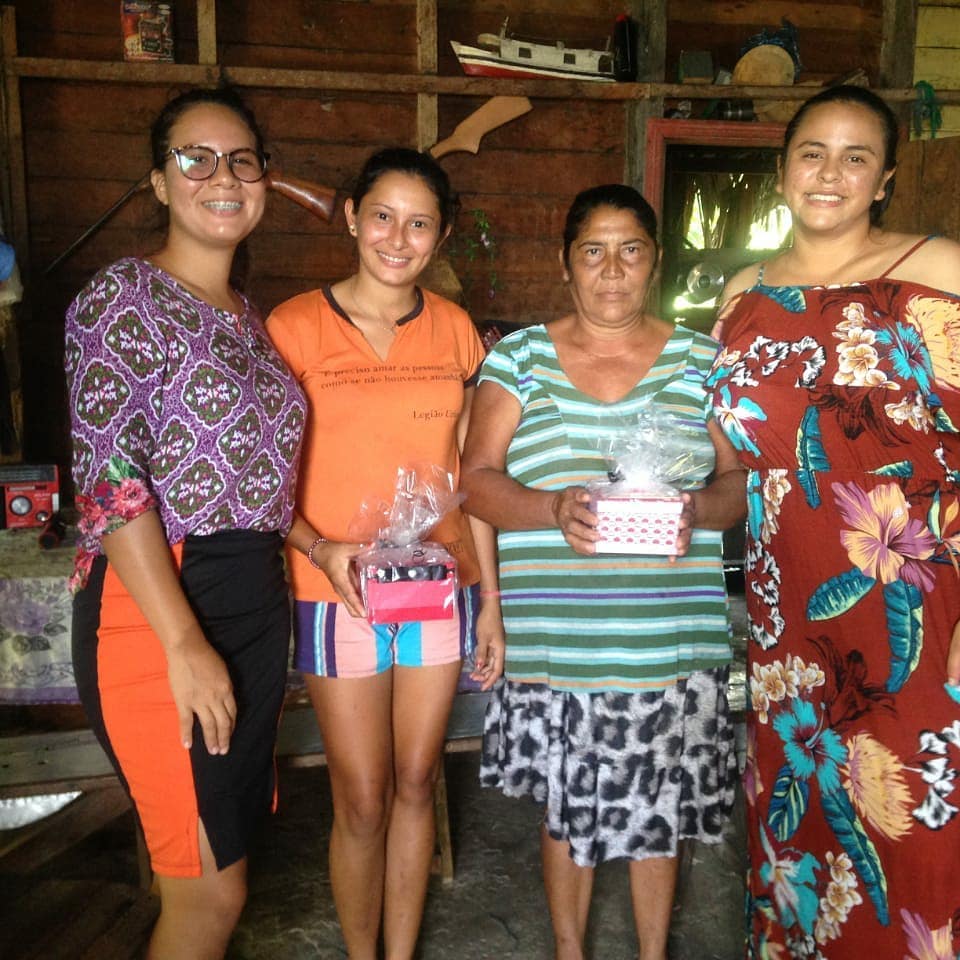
(839, 384)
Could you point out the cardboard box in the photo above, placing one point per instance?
(635, 523)
(695, 66)
(147, 30)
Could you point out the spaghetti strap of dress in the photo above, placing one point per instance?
(893, 266)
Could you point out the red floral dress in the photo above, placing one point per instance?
(844, 404)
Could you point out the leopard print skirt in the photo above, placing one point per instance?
(621, 774)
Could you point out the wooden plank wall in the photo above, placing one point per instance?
(86, 143)
(835, 36)
(937, 58)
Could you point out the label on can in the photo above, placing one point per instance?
(147, 30)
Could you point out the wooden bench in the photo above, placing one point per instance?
(72, 760)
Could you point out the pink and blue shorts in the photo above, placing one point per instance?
(329, 642)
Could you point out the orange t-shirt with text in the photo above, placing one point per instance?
(367, 417)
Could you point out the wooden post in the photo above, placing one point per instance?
(427, 114)
(443, 859)
(651, 18)
(14, 175)
(13, 196)
(206, 31)
(897, 43)
(898, 40)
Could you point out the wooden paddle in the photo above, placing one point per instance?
(439, 274)
(465, 138)
(468, 133)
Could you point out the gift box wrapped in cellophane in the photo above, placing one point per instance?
(415, 582)
(402, 576)
(649, 461)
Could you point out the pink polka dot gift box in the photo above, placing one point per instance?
(635, 522)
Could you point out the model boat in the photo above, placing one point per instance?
(506, 55)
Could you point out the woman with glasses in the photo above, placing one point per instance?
(388, 369)
(186, 436)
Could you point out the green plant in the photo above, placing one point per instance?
(476, 247)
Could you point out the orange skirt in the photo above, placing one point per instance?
(235, 583)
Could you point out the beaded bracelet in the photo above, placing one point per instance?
(316, 543)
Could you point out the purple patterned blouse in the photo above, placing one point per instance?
(176, 406)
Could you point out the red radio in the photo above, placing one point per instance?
(31, 494)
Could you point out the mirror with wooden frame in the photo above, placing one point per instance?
(713, 186)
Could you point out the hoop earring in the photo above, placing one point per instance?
(352, 229)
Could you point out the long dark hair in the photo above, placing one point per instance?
(422, 165)
(846, 93)
(616, 195)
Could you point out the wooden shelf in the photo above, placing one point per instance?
(330, 80)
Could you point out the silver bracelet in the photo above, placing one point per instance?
(316, 543)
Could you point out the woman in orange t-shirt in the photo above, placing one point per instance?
(389, 372)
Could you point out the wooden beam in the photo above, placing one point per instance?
(899, 37)
(14, 173)
(73, 759)
(427, 56)
(83, 919)
(428, 121)
(28, 848)
(16, 221)
(328, 81)
(855, 16)
(172, 74)
(651, 19)
(207, 31)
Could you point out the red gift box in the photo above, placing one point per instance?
(400, 584)
(402, 601)
(634, 522)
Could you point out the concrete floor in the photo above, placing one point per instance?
(495, 907)
(494, 910)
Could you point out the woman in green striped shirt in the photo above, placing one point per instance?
(613, 712)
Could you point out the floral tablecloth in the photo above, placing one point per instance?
(35, 609)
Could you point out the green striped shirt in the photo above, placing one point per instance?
(614, 622)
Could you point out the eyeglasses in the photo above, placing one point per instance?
(200, 163)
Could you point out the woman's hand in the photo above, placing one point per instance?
(201, 686)
(577, 522)
(491, 645)
(336, 561)
(199, 681)
(688, 520)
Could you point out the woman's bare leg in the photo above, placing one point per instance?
(422, 698)
(198, 914)
(355, 721)
(652, 885)
(569, 888)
